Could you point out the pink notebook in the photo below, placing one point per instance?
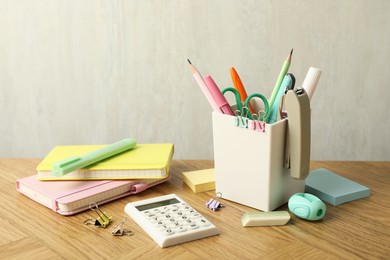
(71, 197)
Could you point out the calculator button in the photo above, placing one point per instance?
(193, 226)
(172, 220)
(188, 221)
(195, 215)
(203, 222)
(154, 219)
(177, 224)
(168, 216)
(182, 218)
(160, 223)
(180, 229)
(180, 213)
(168, 231)
(163, 227)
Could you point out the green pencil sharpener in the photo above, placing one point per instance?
(307, 206)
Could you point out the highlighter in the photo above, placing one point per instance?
(76, 162)
(219, 98)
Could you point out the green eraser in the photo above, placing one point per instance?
(272, 218)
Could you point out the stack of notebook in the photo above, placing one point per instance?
(125, 173)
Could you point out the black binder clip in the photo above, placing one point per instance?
(214, 203)
(103, 218)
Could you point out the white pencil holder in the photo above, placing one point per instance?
(249, 164)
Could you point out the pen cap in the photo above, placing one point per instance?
(219, 98)
(215, 92)
(311, 80)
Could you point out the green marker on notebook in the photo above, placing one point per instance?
(76, 162)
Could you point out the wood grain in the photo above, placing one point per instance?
(359, 229)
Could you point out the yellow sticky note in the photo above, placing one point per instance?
(201, 180)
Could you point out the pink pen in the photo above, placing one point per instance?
(220, 100)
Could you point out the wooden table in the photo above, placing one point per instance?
(358, 229)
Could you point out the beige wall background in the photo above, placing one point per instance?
(94, 72)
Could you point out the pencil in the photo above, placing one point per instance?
(199, 79)
(283, 72)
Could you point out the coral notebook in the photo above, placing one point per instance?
(70, 197)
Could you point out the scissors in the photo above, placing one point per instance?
(246, 102)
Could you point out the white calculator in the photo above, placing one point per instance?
(169, 220)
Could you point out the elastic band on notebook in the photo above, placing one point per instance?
(139, 187)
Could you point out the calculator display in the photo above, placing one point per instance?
(157, 204)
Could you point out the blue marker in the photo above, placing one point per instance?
(287, 84)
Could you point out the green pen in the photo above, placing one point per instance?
(73, 163)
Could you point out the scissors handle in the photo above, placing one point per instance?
(237, 96)
(266, 105)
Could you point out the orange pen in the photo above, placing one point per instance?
(240, 87)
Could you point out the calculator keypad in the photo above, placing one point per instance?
(177, 218)
(169, 221)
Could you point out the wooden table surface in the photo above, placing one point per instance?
(358, 229)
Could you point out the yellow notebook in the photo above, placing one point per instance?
(201, 180)
(145, 161)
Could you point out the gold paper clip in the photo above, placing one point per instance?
(103, 218)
